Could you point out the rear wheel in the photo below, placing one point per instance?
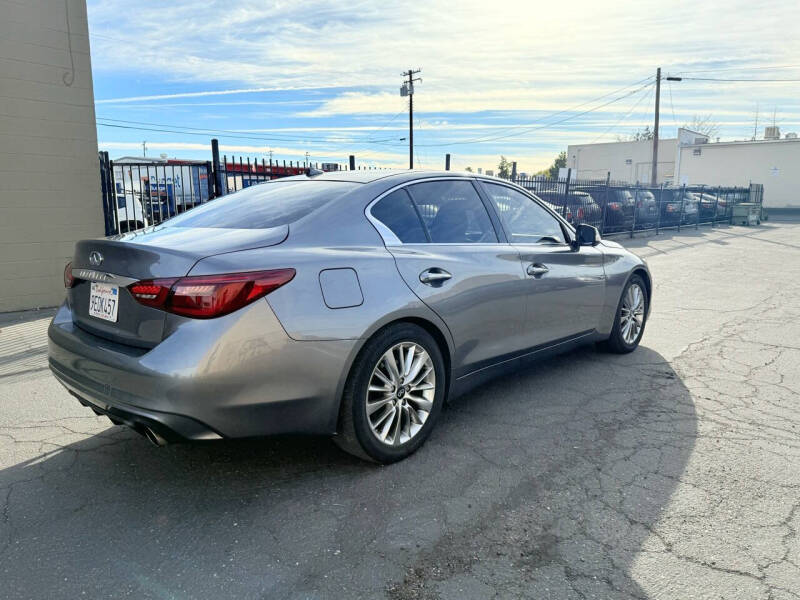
(630, 318)
(393, 396)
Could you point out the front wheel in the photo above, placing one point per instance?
(630, 318)
(393, 395)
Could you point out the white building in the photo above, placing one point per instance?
(692, 159)
(626, 161)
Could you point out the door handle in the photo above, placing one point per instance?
(434, 276)
(537, 269)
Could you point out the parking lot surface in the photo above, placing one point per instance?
(672, 472)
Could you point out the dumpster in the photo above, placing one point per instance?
(746, 213)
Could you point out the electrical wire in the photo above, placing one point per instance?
(747, 80)
(185, 129)
(528, 129)
(644, 96)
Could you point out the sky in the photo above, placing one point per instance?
(520, 79)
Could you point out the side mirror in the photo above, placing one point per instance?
(585, 235)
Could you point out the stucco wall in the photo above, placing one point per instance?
(49, 181)
(594, 161)
(773, 163)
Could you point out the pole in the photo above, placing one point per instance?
(352, 162)
(654, 172)
(446, 162)
(410, 127)
(215, 164)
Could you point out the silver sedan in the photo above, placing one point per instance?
(348, 304)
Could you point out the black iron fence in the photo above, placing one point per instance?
(622, 208)
(140, 192)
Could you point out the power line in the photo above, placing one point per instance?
(528, 129)
(747, 80)
(764, 68)
(643, 97)
(606, 95)
(185, 129)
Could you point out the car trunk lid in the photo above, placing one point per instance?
(112, 264)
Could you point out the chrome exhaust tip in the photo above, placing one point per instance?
(154, 438)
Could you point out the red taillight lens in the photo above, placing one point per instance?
(69, 280)
(209, 296)
(580, 213)
(153, 292)
(614, 205)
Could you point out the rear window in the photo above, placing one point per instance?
(263, 206)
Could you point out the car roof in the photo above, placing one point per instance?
(371, 175)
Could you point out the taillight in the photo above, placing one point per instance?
(580, 213)
(209, 296)
(69, 280)
(614, 205)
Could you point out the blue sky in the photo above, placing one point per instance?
(523, 80)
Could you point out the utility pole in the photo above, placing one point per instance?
(407, 89)
(144, 148)
(307, 163)
(654, 170)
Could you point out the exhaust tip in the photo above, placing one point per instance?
(154, 438)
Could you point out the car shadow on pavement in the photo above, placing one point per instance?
(546, 483)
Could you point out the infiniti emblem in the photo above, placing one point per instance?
(95, 258)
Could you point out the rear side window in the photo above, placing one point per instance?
(453, 212)
(398, 214)
(263, 206)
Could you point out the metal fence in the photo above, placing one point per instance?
(622, 208)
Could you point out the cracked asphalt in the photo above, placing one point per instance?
(672, 472)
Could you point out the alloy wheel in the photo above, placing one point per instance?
(400, 394)
(631, 318)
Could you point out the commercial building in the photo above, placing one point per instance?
(49, 186)
(692, 158)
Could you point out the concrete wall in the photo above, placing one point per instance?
(773, 163)
(627, 161)
(49, 179)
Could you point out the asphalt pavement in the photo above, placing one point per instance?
(672, 472)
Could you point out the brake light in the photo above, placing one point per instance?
(580, 213)
(209, 296)
(614, 205)
(69, 280)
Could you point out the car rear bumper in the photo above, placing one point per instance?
(236, 376)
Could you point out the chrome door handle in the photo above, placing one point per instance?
(434, 276)
(537, 269)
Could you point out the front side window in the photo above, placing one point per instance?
(525, 221)
(452, 212)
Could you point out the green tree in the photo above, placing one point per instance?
(643, 134)
(559, 163)
(504, 168)
(468, 169)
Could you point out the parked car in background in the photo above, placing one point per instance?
(712, 206)
(616, 206)
(678, 206)
(130, 213)
(646, 208)
(576, 207)
(350, 304)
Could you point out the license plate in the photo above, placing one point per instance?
(104, 301)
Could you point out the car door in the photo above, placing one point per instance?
(566, 287)
(449, 253)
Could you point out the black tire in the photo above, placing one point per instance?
(354, 432)
(616, 342)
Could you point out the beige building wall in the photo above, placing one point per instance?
(776, 164)
(49, 177)
(627, 161)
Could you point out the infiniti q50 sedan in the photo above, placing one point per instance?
(350, 304)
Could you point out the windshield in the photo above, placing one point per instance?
(263, 206)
